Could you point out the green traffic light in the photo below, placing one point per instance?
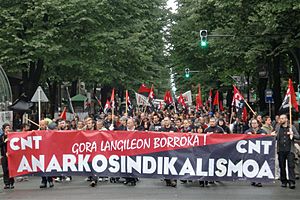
(187, 75)
(203, 43)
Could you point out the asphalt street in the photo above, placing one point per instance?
(146, 189)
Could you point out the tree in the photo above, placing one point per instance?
(116, 43)
(260, 34)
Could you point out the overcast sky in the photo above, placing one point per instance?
(172, 4)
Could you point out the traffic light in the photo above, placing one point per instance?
(203, 38)
(187, 73)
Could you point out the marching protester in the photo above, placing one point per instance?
(130, 127)
(45, 179)
(8, 182)
(123, 125)
(178, 125)
(89, 126)
(186, 127)
(255, 129)
(213, 127)
(222, 124)
(184, 121)
(239, 126)
(167, 127)
(24, 127)
(156, 125)
(80, 125)
(100, 125)
(286, 136)
(62, 125)
(267, 125)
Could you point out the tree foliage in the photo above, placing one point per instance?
(109, 42)
(244, 37)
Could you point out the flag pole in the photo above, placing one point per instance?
(113, 108)
(99, 102)
(113, 114)
(126, 94)
(231, 115)
(32, 122)
(70, 101)
(290, 111)
(254, 113)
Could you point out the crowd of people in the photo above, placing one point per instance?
(168, 121)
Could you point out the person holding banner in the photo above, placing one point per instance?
(44, 126)
(123, 125)
(167, 127)
(90, 125)
(213, 127)
(8, 182)
(255, 129)
(156, 125)
(130, 127)
(286, 136)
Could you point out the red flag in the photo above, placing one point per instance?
(168, 97)
(144, 89)
(290, 93)
(63, 115)
(238, 102)
(107, 107)
(216, 99)
(181, 101)
(245, 114)
(237, 97)
(112, 98)
(151, 93)
(221, 106)
(160, 106)
(293, 95)
(197, 103)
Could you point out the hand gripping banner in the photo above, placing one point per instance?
(142, 154)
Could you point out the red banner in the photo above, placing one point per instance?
(140, 154)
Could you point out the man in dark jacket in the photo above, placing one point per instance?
(286, 136)
(213, 128)
(156, 126)
(8, 182)
(239, 126)
(167, 127)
